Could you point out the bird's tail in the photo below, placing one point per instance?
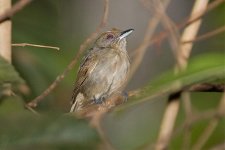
(77, 103)
(73, 107)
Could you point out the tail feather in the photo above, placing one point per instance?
(73, 107)
(77, 103)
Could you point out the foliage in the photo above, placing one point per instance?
(133, 125)
(26, 131)
(135, 121)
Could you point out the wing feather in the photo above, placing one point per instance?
(87, 66)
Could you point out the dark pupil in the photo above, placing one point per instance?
(110, 36)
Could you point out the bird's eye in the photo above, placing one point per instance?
(109, 36)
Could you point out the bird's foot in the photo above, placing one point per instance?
(99, 100)
(125, 96)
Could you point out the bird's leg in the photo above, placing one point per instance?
(125, 96)
(99, 100)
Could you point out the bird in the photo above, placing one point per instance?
(103, 70)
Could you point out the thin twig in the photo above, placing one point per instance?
(26, 106)
(164, 34)
(168, 122)
(168, 25)
(34, 45)
(183, 53)
(188, 112)
(200, 14)
(194, 119)
(140, 51)
(83, 46)
(207, 35)
(32, 110)
(206, 134)
(15, 8)
(211, 125)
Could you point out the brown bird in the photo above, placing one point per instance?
(103, 70)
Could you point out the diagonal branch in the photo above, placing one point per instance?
(211, 125)
(140, 51)
(164, 34)
(12, 11)
(83, 47)
(172, 108)
(207, 35)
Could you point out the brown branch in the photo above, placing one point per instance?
(174, 35)
(5, 32)
(211, 125)
(201, 87)
(194, 119)
(185, 96)
(34, 45)
(212, 115)
(140, 51)
(207, 35)
(167, 123)
(206, 87)
(32, 110)
(183, 53)
(200, 14)
(164, 34)
(15, 8)
(83, 46)
(190, 33)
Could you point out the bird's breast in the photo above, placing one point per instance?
(109, 74)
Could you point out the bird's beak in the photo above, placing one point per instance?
(125, 33)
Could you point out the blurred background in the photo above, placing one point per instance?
(66, 24)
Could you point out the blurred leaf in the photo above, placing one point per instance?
(204, 68)
(136, 123)
(8, 74)
(25, 131)
(10, 105)
(202, 102)
(9, 78)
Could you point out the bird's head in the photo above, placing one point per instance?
(113, 39)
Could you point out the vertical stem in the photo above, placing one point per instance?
(183, 54)
(211, 125)
(190, 33)
(167, 128)
(5, 32)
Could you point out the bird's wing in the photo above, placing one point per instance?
(87, 66)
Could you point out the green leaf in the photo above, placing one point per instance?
(135, 125)
(11, 105)
(8, 74)
(27, 131)
(204, 68)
